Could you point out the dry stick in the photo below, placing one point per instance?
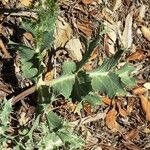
(19, 13)
(23, 94)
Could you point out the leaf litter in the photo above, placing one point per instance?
(129, 117)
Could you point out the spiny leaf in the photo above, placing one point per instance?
(82, 86)
(94, 100)
(90, 47)
(68, 67)
(53, 120)
(64, 84)
(106, 82)
(124, 73)
(104, 79)
(28, 70)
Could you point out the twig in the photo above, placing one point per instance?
(19, 13)
(88, 119)
(23, 94)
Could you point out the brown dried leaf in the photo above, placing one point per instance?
(4, 50)
(122, 111)
(85, 27)
(88, 66)
(136, 56)
(145, 103)
(28, 36)
(87, 1)
(106, 100)
(94, 54)
(139, 90)
(88, 108)
(146, 32)
(127, 2)
(130, 105)
(131, 135)
(127, 33)
(111, 120)
(131, 146)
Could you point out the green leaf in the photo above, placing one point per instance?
(82, 86)
(90, 47)
(110, 63)
(72, 141)
(54, 121)
(28, 70)
(94, 100)
(104, 78)
(68, 68)
(6, 108)
(106, 82)
(78, 108)
(64, 84)
(124, 73)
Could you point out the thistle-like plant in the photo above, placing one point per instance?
(74, 83)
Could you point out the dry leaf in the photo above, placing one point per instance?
(23, 119)
(117, 4)
(130, 105)
(131, 135)
(106, 46)
(49, 76)
(62, 33)
(88, 66)
(122, 111)
(142, 12)
(74, 49)
(145, 103)
(127, 33)
(131, 146)
(110, 38)
(85, 27)
(94, 54)
(26, 2)
(106, 100)
(90, 139)
(146, 32)
(136, 56)
(147, 85)
(111, 120)
(108, 15)
(87, 1)
(127, 2)
(87, 108)
(28, 36)
(139, 90)
(4, 50)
